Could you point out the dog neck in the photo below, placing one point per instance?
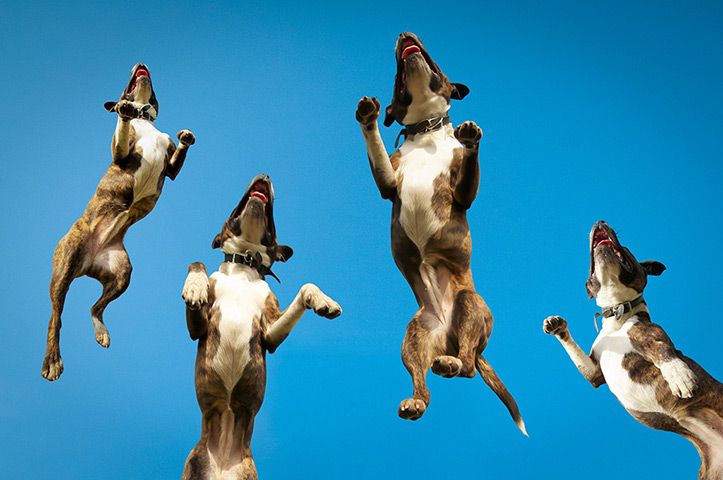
(618, 311)
(428, 125)
(252, 260)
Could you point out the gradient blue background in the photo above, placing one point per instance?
(590, 110)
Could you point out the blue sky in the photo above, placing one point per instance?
(590, 110)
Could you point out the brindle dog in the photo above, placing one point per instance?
(432, 180)
(142, 158)
(658, 385)
(236, 319)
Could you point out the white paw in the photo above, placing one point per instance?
(681, 379)
(195, 290)
(321, 303)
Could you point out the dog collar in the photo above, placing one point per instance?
(618, 310)
(252, 260)
(424, 126)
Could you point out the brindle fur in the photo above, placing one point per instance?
(450, 346)
(94, 244)
(652, 347)
(229, 414)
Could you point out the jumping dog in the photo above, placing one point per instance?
(658, 385)
(236, 319)
(142, 158)
(431, 180)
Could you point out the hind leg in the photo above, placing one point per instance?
(420, 346)
(67, 266)
(471, 328)
(112, 268)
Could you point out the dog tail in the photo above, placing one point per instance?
(493, 381)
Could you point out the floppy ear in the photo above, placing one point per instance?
(283, 253)
(216, 241)
(652, 267)
(388, 117)
(459, 91)
(110, 106)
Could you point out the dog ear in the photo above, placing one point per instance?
(652, 267)
(283, 253)
(459, 91)
(110, 106)
(216, 241)
(388, 117)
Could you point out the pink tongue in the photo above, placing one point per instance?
(605, 242)
(410, 49)
(141, 72)
(259, 195)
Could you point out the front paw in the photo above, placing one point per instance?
(555, 326)
(186, 137)
(681, 379)
(367, 110)
(468, 134)
(195, 289)
(127, 110)
(323, 305)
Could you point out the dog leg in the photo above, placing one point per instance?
(309, 296)
(186, 139)
(420, 346)
(367, 112)
(589, 368)
(121, 138)
(656, 347)
(112, 268)
(195, 294)
(472, 324)
(67, 266)
(467, 183)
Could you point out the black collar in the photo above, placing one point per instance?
(623, 308)
(253, 260)
(424, 126)
(618, 311)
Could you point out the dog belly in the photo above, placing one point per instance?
(424, 166)
(153, 148)
(240, 303)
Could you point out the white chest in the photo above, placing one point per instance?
(423, 160)
(240, 298)
(610, 348)
(154, 148)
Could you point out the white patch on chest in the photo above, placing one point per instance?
(241, 298)
(154, 146)
(423, 159)
(610, 348)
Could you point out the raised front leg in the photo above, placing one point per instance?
(589, 368)
(367, 112)
(186, 139)
(309, 296)
(195, 294)
(121, 138)
(467, 184)
(656, 347)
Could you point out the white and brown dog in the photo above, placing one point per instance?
(142, 158)
(658, 385)
(236, 319)
(432, 180)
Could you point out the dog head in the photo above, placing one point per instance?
(615, 275)
(139, 90)
(251, 225)
(421, 90)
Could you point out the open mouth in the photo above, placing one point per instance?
(409, 47)
(602, 239)
(260, 190)
(141, 72)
